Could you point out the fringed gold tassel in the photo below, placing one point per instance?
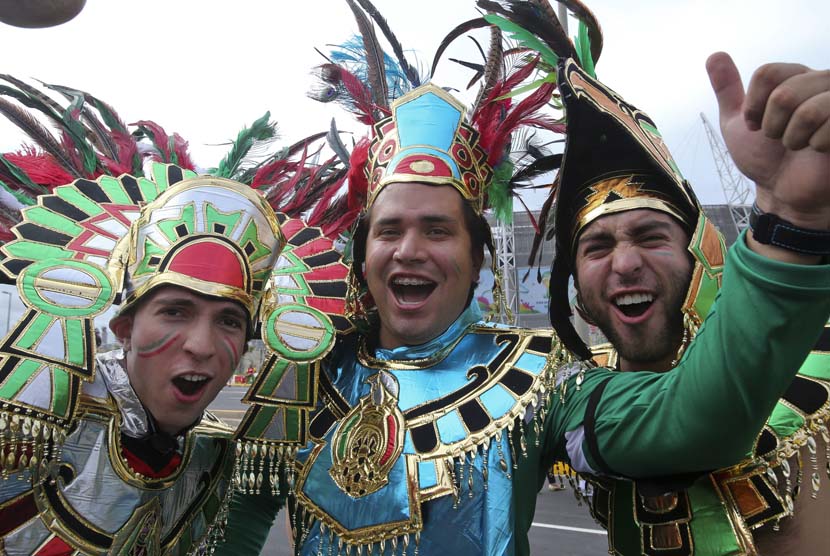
(502, 462)
(355, 309)
(485, 473)
(215, 533)
(470, 467)
(512, 446)
(691, 325)
(257, 462)
(456, 487)
(28, 441)
(815, 478)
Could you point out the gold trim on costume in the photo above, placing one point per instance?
(55, 524)
(369, 440)
(444, 485)
(125, 472)
(374, 533)
(370, 361)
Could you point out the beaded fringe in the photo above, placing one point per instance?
(792, 486)
(28, 439)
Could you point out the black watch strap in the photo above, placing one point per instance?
(770, 229)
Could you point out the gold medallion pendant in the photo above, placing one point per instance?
(370, 440)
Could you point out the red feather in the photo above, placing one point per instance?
(180, 148)
(360, 95)
(358, 182)
(306, 185)
(358, 188)
(159, 138)
(337, 215)
(127, 151)
(270, 173)
(6, 234)
(71, 151)
(291, 186)
(521, 114)
(324, 206)
(41, 168)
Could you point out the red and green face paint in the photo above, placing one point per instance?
(157, 347)
(233, 353)
(164, 343)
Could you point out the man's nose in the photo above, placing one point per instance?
(409, 248)
(200, 339)
(626, 260)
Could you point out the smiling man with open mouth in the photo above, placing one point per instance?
(121, 440)
(647, 265)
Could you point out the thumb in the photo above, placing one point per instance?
(726, 83)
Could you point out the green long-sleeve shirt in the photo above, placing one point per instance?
(765, 321)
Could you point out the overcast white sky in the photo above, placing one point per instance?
(205, 68)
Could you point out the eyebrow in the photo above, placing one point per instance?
(234, 312)
(636, 230)
(427, 218)
(645, 227)
(231, 310)
(180, 301)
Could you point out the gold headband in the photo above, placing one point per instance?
(619, 194)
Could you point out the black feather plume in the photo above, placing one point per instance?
(39, 134)
(374, 57)
(465, 27)
(533, 17)
(408, 70)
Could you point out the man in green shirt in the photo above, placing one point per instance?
(647, 266)
(433, 430)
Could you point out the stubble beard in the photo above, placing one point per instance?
(645, 349)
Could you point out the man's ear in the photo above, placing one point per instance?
(122, 327)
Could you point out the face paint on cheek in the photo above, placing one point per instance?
(233, 354)
(159, 346)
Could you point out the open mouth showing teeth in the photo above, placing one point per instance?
(412, 290)
(635, 304)
(190, 384)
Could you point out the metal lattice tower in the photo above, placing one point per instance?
(504, 239)
(736, 187)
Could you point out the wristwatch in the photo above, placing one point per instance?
(770, 229)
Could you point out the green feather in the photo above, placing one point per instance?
(499, 194)
(21, 197)
(583, 50)
(21, 176)
(549, 78)
(524, 37)
(78, 133)
(110, 118)
(261, 130)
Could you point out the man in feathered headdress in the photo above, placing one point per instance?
(433, 429)
(648, 266)
(114, 454)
